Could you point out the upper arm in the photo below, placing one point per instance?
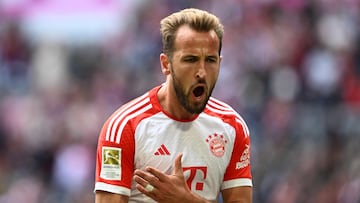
(115, 159)
(106, 197)
(237, 194)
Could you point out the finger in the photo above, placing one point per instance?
(138, 179)
(142, 189)
(144, 178)
(145, 175)
(147, 188)
(178, 166)
(156, 173)
(152, 194)
(140, 173)
(143, 185)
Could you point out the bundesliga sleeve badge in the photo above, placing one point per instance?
(111, 163)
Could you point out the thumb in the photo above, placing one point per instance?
(178, 166)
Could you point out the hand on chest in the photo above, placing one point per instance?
(206, 153)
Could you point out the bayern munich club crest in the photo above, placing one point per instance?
(216, 144)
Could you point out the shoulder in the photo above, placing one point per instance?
(131, 112)
(225, 112)
(221, 109)
(132, 108)
(140, 106)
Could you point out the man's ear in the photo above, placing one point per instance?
(165, 64)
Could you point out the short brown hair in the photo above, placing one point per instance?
(197, 19)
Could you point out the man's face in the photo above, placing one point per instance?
(194, 67)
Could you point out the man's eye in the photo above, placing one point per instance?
(211, 60)
(190, 60)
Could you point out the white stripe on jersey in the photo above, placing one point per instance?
(240, 181)
(128, 117)
(242, 122)
(124, 114)
(219, 104)
(114, 188)
(132, 105)
(223, 108)
(215, 103)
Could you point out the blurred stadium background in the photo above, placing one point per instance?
(290, 67)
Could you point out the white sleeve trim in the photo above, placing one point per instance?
(236, 183)
(112, 188)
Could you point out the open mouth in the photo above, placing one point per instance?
(199, 91)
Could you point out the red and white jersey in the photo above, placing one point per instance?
(215, 147)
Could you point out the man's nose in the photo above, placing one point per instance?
(201, 71)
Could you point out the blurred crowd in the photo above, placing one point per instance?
(290, 67)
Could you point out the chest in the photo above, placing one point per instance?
(206, 147)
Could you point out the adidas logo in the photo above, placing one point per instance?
(162, 150)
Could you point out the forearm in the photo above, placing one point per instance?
(194, 198)
(237, 195)
(106, 197)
